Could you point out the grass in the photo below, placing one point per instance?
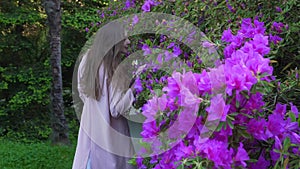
(16, 155)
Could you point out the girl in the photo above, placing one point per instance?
(104, 139)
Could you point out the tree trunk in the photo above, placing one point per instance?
(59, 124)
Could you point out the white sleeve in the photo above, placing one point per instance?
(79, 77)
(120, 103)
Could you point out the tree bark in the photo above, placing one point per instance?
(60, 131)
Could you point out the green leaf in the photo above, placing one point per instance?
(245, 134)
(220, 126)
(286, 144)
(229, 122)
(292, 116)
(237, 104)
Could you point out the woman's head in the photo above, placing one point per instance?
(109, 43)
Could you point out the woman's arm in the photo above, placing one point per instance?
(120, 103)
(79, 77)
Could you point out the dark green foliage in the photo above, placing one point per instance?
(25, 73)
(15, 155)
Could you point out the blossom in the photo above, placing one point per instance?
(260, 44)
(238, 75)
(171, 45)
(150, 129)
(278, 9)
(203, 81)
(146, 6)
(275, 39)
(280, 109)
(259, 27)
(168, 55)
(218, 109)
(217, 79)
(227, 35)
(189, 64)
(275, 124)
(183, 151)
(294, 110)
(229, 49)
(262, 163)
(129, 4)
(215, 151)
(102, 15)
(135, 20)
(209, 46)
(139, 162)
(278, 26)
(257, 128)
(146, 49)
(241, 155)
(138, 86)
(177, 51)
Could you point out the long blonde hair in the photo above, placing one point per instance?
(105, 51)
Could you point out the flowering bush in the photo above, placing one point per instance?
(218, 116)
(247, 129)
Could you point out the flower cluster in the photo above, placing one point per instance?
(219, 115)
(148, 4)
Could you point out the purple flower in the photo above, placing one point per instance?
(274, 156)
(127, 4)
(294, 110)
(238, 77)
(172, 44)
(102, 15)
(146, 6)
(114, 13)
(177, 51)
(162, 38)
(241, 155)
(277, 144)
(227, 35)
(138, 86)
(218, 109)
(189, 64)
(168, 56)
(259, 27)
(230, 8)
(275, 39)
(260, 44)
(275, 124)
(278, 9)
(229, 49)
(203, 80)
(246, 23)
(217, 79)
(87, 29)
(257, 129)
(215, 151)
(262, 163)
(173, 88)
(146, 49)
(139, 162)
(280, 109)
(135, 20)
(183, 151)
(210, 46)
(287, 27)
(150, 129)
(277, 26)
